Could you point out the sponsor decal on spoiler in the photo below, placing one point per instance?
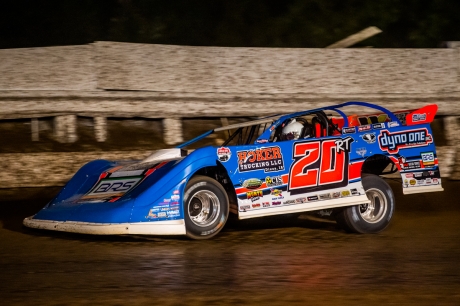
(418, 117)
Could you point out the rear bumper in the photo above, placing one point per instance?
(173, 227)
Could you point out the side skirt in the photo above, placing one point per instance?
(350, 201)
(173, 227)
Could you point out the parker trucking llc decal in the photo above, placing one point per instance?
(268, 159)
(393, 142)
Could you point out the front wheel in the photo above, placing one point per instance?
(374, 216)
(205, 207)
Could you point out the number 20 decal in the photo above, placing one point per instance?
(321, 164)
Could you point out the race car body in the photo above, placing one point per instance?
(283, 164)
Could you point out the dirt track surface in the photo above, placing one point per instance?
(306, 261)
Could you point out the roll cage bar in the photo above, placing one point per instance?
(277, 120)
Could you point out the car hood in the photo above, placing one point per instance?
(103, 191)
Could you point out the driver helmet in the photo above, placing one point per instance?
(293, 130)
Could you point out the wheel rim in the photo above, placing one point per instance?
(203, 208)
(376, 209)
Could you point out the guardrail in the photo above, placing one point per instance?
(107, 79)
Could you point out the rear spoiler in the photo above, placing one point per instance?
(422, 115)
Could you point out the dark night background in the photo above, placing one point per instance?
(238, 23)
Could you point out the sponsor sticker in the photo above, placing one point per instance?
(276, 203)
(345, 193)
(427, 158)
(254, 195)
(272, 181)
(419, 117)
(255, 205)
(336, 195)
(325, 196)
(393, 124)
(378, 126)
(364, 128)
(393, 142)
(269, 159)
(224, 154)
(253, 183)
(276, 192)
(369, 137)
(409, 175)
(291, 201)
(266, 204)
(361, 151)
(349, 130)
(312, 198)
(412, 182)
(300, 200)
(111, 188)
(152, 214)
(405, 165)
(173, 213)
(245, 207)
(354, 191)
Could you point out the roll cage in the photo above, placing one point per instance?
(245, 132)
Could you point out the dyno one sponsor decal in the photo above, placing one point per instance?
(393, 142)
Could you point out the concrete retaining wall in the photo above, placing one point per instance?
(110, 79)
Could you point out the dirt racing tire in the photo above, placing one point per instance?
(205, 207)
(373, 217)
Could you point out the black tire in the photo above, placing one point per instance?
(205, 207)
(373, 217)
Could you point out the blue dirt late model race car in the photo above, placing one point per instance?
(316, 160)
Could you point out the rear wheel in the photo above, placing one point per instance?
(205, 207)
(374, 216)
